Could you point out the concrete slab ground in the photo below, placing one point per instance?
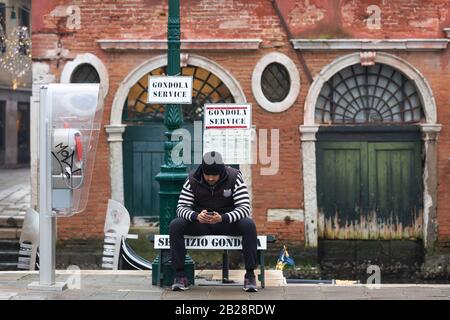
(136, 285)
(15, 187)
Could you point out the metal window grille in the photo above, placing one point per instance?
(206, 88)
(85, 73)
(377, 94)
(275, 82)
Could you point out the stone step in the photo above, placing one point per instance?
(9, 245)
(8, 266)
(11, 221)
(10, 233)
(9, 256)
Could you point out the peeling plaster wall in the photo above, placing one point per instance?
(430, 176)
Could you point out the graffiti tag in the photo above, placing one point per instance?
(65, 158)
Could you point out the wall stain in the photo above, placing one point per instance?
(370, 226)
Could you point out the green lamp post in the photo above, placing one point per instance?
(172, 176)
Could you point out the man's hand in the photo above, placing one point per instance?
(215, 218)
(204, 217)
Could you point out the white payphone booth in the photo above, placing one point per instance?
(69, 126)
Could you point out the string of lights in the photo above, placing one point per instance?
(15, 55)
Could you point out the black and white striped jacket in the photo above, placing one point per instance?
(229, 197)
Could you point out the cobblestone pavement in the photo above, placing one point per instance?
(14, 191)
(136, 285)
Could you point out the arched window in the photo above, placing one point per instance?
(206, 88)
(85, 73)
(376, 94)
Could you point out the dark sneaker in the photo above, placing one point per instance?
(250, 283)
(180, 284)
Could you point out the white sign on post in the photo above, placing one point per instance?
(169, 90)
(228, 131)
(162, 241)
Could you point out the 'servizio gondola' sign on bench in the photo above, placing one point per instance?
(209, 242)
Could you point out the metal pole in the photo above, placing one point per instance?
(47, 225)
(172, 176)
(173, 38)
(47, 222)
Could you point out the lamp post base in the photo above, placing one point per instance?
(167, 273)
(171, 180)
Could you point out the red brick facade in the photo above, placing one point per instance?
(247, 19)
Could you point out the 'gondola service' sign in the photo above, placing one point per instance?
(228, 131)
(228, 116)
(169, 90)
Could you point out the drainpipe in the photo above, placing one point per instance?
(299, 54)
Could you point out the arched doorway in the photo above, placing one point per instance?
(369, 164)
(363, 120)
(143, 145)
(117, 128)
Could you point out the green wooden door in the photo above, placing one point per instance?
(143, 155)
(369, 190)
(395, 186)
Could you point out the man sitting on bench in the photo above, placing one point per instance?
(214, 201)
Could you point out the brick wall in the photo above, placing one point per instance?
(209, 19)
(349, 19)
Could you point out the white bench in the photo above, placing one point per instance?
(162, 242)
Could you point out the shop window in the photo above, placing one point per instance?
(2, 28)
(24, 31)
(23, 133)
(24, 17)
(2, 126)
